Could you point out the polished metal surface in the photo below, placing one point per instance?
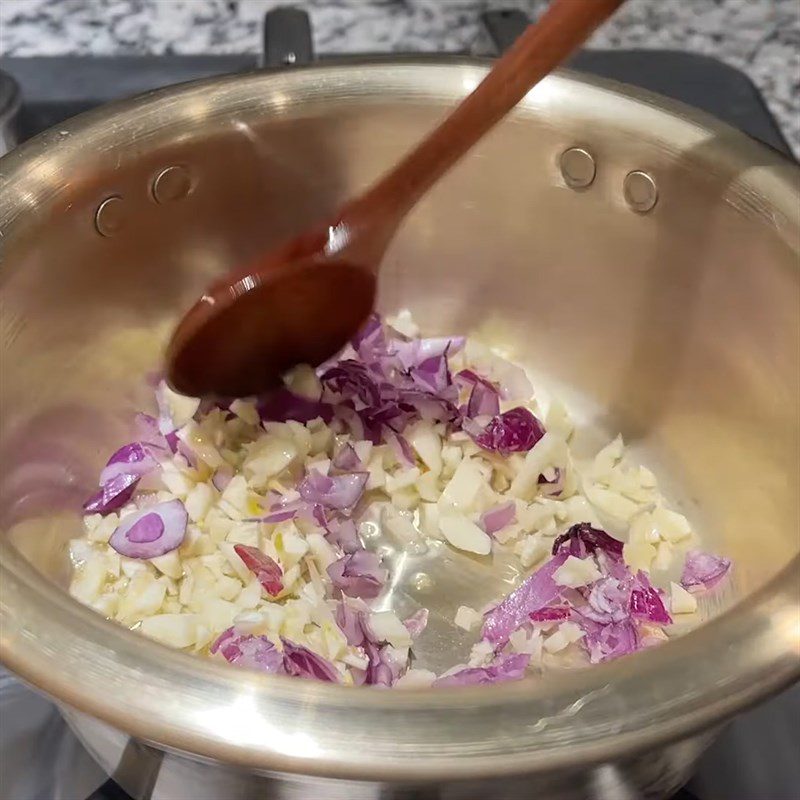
(172, 183)
(110, 218)
(641, 192)
(577, 167)
(678, 328)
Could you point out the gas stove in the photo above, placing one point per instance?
(754, 758)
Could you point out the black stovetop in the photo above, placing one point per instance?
(755, 758)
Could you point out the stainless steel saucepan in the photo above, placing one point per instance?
(640, 258)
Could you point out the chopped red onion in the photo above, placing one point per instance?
(269, 574)
(282, 405)
(347, 460)
(419, 351)
(301, 662)
(341, 492)
(484, 397)
(536, 591)
(146, 430)
(608, 601)
(584, 539)
(259, 653)
(504, 668)
(432, 374)
(344, 534)
(351, 623)
(383, 669)
(370, 341)
(358, 574)
(401, 449)
(417, 622)
(131, 459)
(152, 531)
(222, 477)
(120, 476)
(607, 642)
(514, 431)
(351, 381)
(646, 604)
(702, 571)
(113, 496)
(248, 651)
(354, 423)
(550, 614)
(497, 518)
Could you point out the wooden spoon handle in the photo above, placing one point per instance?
(565, 25)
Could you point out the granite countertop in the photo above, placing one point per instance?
(759, 37)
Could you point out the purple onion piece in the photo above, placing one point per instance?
(282, 405)
(222, 477)
(702, 571)
(484, 397)
(268, 572)
(384, 667)
(358, 574)
(248, 651)
(536, 591)
(346, 459)
(417, 622)
(584, 539)
(550, 614)
(344, 534)
(608, 601)
(130, 459)
(607, 642)
(514, 431)
(351, 380)
(504, 668)
(152, 531)
(301, 662)
(401, 449)
(340, 492)
(351, 623)
(432, 375)
(646, 604)
(113, 496)
(419, 351)
(497, 518)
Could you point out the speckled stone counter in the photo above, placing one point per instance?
(760, 37)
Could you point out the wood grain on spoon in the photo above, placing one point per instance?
(303, 302)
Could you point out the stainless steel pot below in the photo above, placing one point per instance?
(640, 258)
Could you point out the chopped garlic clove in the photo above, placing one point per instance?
(575, 572)
(246, 411)
(174, 630)
(532, 549)
(464, 487)
(639, 555)
(467, 618)
(464, 534)
(422, 437)
(567, 634)
(416, 679)
(681, 601)
(387, 627)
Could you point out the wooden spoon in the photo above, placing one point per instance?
(304, 301)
